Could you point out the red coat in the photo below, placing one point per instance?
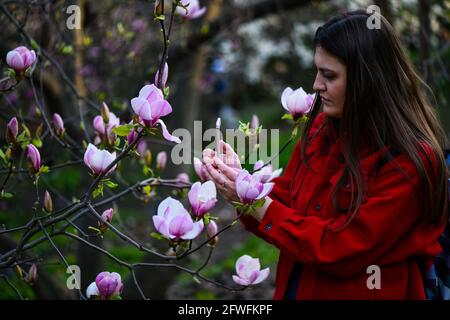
(385, 232)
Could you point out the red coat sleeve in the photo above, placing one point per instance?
(389, 215)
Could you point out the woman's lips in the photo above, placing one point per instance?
(325, 99)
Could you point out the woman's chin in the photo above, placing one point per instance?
(330, 111)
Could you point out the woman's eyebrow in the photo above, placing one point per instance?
(325, 70)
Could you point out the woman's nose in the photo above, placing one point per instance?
(319, 85)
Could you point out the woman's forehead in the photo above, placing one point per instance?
(326, 61)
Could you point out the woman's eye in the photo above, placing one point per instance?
(329, 76)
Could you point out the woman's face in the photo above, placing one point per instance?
(331, 82)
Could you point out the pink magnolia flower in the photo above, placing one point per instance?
(249, 187)
(200, 169)
(150, 106)
(106, 132)
(266, 173)
(106, 285)
(174, 222)
(34, 158)
(165, 75)
(249, 271)
(20, 58)
(202, 197)
(193, 9)
(12, 130)
(298, 102)
(98, 160)
(58, 124)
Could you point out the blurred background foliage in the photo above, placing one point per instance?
(233, 62)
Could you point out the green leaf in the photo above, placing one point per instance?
(34, 44)
(98, 191)
(11, 73)
(94, 229)
(67, 49)
(2, 155)
(157, 236)
(37, 142)
(123, 130)
(147, 190)
(6, 195)
(166, 91)
(147, 171)
(111, 184)
(161, 18)
(44, 169)
(21, 137)
(287, 116)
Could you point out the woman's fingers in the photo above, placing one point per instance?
(218, 178)
(229, 172)
(231, 158)
(208, 153)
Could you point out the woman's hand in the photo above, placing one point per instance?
(223, 169)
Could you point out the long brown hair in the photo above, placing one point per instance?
(384, 106)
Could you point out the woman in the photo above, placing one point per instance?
(359, 208)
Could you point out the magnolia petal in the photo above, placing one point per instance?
(193, 195)
(160, 109)
(266, 190)
(161, 225)
(198, 13)
(166, 133)
(151, 93)
(195, 231)
(242, 282)
(92, 290)
(263, 274)
(180, 225)
(241, 263)
(137, 104)
(286, 93)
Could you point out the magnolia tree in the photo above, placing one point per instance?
(103, 156)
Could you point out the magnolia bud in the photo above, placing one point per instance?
(255, 122)
(12, 130)
(105, 113)
(32, 274)
(211, 230)
(148, 157)
(58, 125)
(34, 158)
(161, 160)
(39, 130)
(48, 203)
(158, 8)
